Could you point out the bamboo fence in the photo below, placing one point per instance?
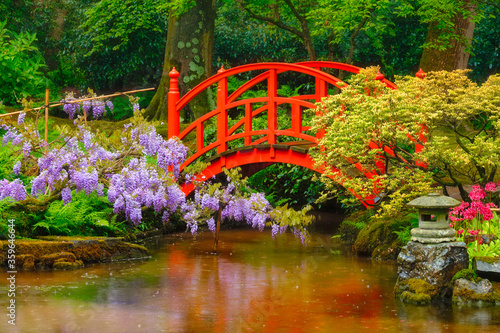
(47, 106)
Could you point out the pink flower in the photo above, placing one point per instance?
(490, 187)
(477, 193)
(461, 231)
(452, 225)
(473, 232)
(480, 241)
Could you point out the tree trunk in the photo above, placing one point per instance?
(456, 56)
(189, 50)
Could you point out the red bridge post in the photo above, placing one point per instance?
(173, 98)
(272, 117)
(222, 113)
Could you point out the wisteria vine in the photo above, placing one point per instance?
(138, 171)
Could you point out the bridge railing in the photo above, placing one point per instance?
(225, 102)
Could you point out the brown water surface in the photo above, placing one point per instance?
(254, 284)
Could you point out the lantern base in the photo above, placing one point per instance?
(433, 236)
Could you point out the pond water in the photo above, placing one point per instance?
(253, 284)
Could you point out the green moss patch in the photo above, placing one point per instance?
(415, 291)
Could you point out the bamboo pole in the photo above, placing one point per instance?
(77, 101)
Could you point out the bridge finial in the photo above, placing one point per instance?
(174, 82)
(379, 76)
(420, 74)
(173, 73)
(221, 70)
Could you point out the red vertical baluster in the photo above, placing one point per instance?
(248, 123)
(200, 140)
(173, 98)
(320, 87)
(320, 91)
(296, 118)
(271, 111)
(222, 114)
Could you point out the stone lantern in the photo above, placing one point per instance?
(433, 224)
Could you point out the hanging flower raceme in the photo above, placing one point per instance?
(241, 206)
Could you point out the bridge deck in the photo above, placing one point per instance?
(297, 146)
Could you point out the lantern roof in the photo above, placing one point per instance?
(434, 200)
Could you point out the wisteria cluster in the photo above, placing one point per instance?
(14, 189)
(140, 185)
(140, 172)
(253, 209)
(169, 154)
(96, 107)
(234, 204)
(69, 167)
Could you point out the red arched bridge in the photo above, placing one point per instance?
(243, 143)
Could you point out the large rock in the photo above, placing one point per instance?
(487, 267)
(435, 264)
(479, 293)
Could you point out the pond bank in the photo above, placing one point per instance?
(58, 252)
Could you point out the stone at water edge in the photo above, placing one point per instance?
(481, 293)
(435, 264)
(487, 267)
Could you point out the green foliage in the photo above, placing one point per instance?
(4, 217)
(20, 65)
(364, 114)
(403, 228)
(239, 40)
(485, 55)
(368, 123)
(87, 215)
(122, 109)
(466, 273)
(353, 224)
(287, 184)
(121, 42)
(484, 250)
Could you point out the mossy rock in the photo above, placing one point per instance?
(25, 262)
(45, 253)
(467, 273)
(349, 231)
(482, 293)
(47, 261)
(416, 298)
(62, 265)
(415, 291)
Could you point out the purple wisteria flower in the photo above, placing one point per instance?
(274, 230)
(14, 189)
(20, 118)
(140, 185)
(16, 170)
(66, 195)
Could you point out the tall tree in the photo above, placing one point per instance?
(189, 49)
(288, 15)
(450, 32)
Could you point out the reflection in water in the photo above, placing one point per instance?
(254, 284)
